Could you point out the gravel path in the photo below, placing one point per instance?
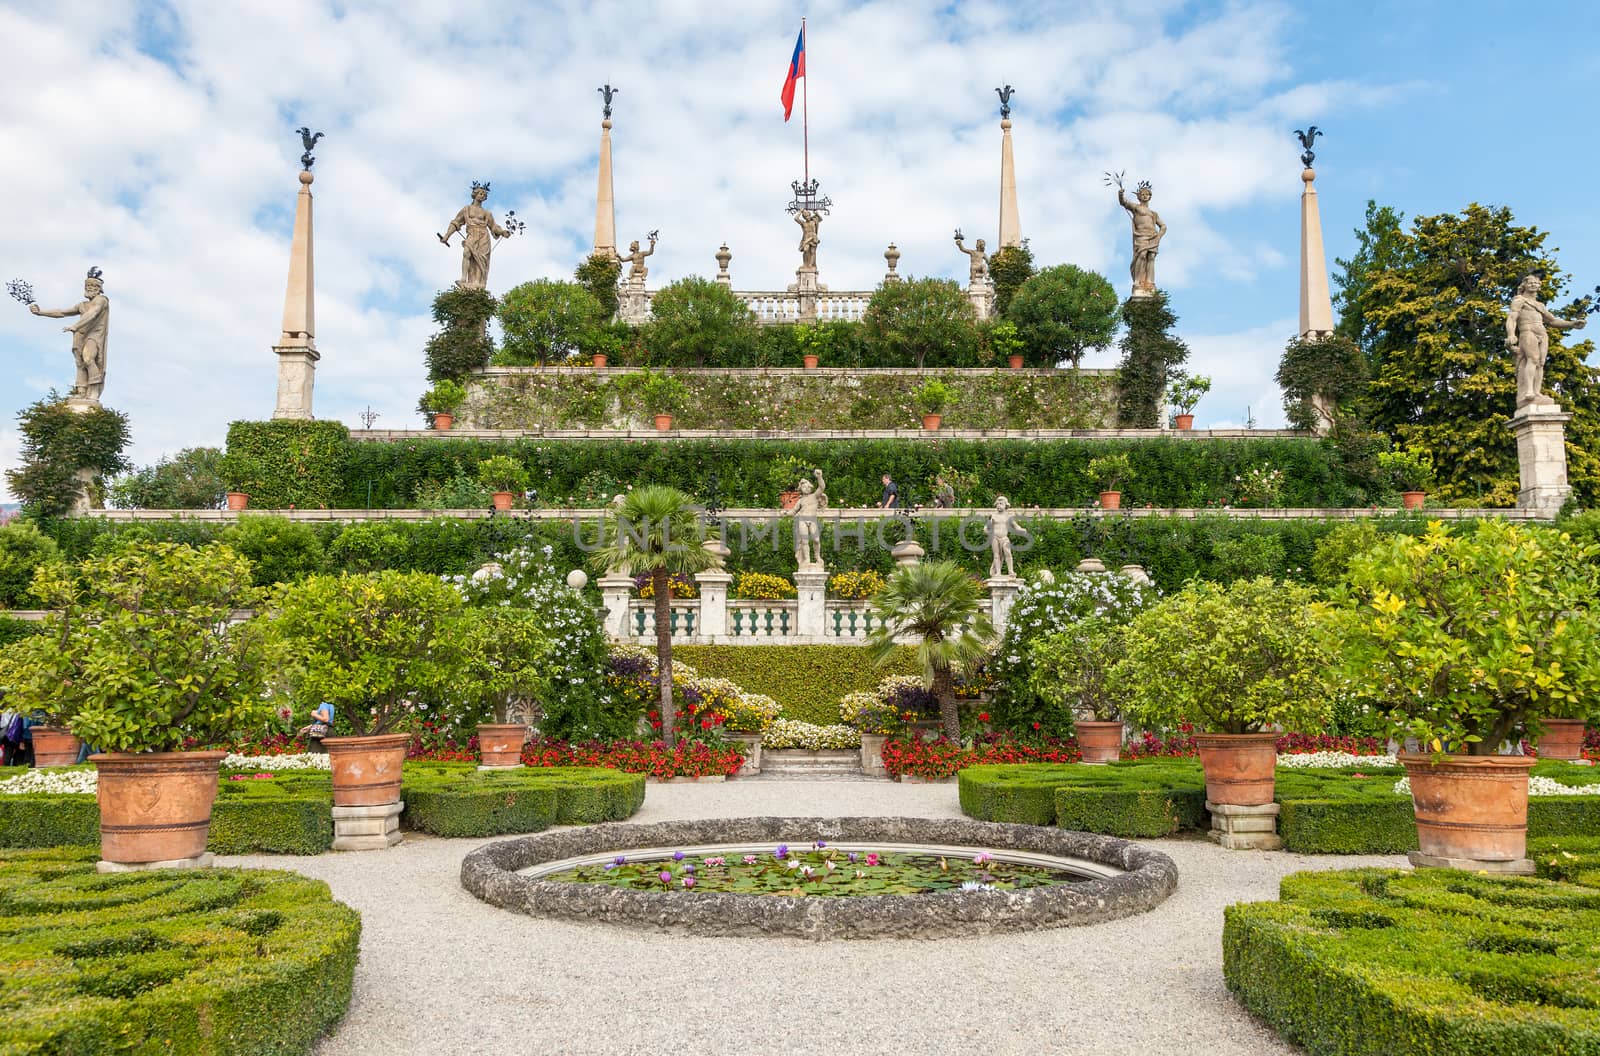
(442, 973)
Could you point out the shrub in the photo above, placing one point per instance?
(1407, 468)
(1072, 670)
(868, 713)
(855, 586)
(463, 345)
(921, 320)
(1109, 472)
(370, 546)
(547, 321)
(446, 397)
(505, 665)
(934, 397)
(279, 550)
(15, 630)
(942, 758)
(502, 473)
(749, 712)
(1063, 312)
(806, 680)
(661, 393)
(295, 464)
(790, 733)
(190, 480)
(23, 548)
(762, 587)
(1332, 368)
(214, 961)
(688, 758)
(58, 444)
(1151, 356)
(1234, 659)
(1009, 268)
(1186, 391)
(598, 274)
(461, 801)
(1331, 559)
(695, 319)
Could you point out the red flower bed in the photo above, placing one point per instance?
(686, 759)
(941, 758)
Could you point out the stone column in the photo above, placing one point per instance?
(1541, 458)
(812, 610)
(617, 592)
(1010, 226)
(713, 621)
(297, 348)
(605, 202)
(806, 287)
(1002, 595)
(1316, 306)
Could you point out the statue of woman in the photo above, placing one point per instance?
(477, 243)
(1148, 231)
(88, 336)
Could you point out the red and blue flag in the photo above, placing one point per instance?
(797, 70)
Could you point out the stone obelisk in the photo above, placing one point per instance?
(605, 200)
(297, 348)
(1316, 306)
(1010, 226)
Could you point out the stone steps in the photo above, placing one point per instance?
(802, 765)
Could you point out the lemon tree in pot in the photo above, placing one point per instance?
(1110, 473)
(1466, 641)
(504, 477)
(1238, 662)
(933, 398)
(441, 403)
(140, 658)
(1071, 670)
(380, 647)
(505, 665)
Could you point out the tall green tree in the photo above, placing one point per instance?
(695, 320)
(462, 345)
(1064, 311)
(1151, 355)
(66, 453)
(657, 530)
(599, 274)
(940, 604)
(546, 321)
(1428, 306)
(1009, 268)
(917, 319)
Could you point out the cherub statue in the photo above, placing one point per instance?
(809, 220)
(477, 243)
(1526, 335)
(88, 336)
(635, 259)
(1001, 523)
(1148, 231)
(978, 267)
(807, 532)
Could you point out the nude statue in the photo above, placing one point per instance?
(807, 533)
(1527, 336)
(477, 243)
(1001, 523)
(809, 220)
(1148, 231)
(978, 271)
(88, 336)
(635, 260)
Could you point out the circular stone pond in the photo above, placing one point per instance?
(1039, 877)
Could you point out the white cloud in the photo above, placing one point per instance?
(157, 143)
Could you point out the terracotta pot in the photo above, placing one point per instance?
(1238, 767)
(1471, 806)
(1412, 500)
(1100, 742)
(442, 422)
(809, 361)
(500, 744)
(238, 500)
(787, 499)
(366, 770)
(1183, 421)
(931, 422)
(53, 746)
(502, 500)
(1111, 500)
(600, 361)
(1014, 362)
(155, 806)
(1562, 739)
(663, 422)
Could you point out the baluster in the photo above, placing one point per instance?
(783, 623)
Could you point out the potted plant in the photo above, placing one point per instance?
(381, 647)
(440, 403)
(932, 399)
(504, 659)
(784, 475)
(1410, 471)
(1071, 669)
(25, 660)
(241, 474)
(140, 658)
(504, 476)
(1006, 341)
(1109, 472)
(876, 720)
(1183, 394)
(1236, 662)
(1466, 641)
(664, 397)
(813, 342)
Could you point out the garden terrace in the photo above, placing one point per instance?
(236, 961)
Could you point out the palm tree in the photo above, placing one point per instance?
(940, 604)
(656, 530)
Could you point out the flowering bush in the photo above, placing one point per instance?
(705, 704)
(908, 697)
(933, 760)
(1311, 743)
(50, 782)
(1334, 760)
(788, 733)
(686, 759)
(1258, 486)
(750, 712)
(867, 712)
(298, 761)
(679, 585)
(761, 586)
(855, 586)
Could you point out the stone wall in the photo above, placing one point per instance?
(790, 399)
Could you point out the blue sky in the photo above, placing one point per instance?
(156, 142)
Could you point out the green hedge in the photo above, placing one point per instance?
(14, 630)
(213, 961)
(1383, 963)
(1048, 473)
(459, 800)
(808, 680)
(1575, 859)
(292, 463)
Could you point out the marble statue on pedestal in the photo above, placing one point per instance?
(809, 220)
(1148, 231)
(807, 532)
(88, 337)
(1527, 336)
(1001, 523)
(477, 243)
(637, 272)
(978, 261)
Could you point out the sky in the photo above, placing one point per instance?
(156, 141)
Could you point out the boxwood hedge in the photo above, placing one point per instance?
(211, 961)
(1385, 963)
(808, 680)
(456, 799)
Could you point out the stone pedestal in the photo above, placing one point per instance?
(907, 552)
(872, 755)
(1002, 595)
(82, 404)
(982, 297)
(1244, 828)
(1514, 867)
(616, 592)
(1137, 574)
(812, 612)
(713, 602)
(807, 287)
(297, 371)
(1541, 457)
(633, 303)
(1090, 564)
(203, 861)
(366, 828)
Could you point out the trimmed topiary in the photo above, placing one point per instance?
(460, 800)
(212, 961)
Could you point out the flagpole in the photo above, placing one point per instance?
(805, 110)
